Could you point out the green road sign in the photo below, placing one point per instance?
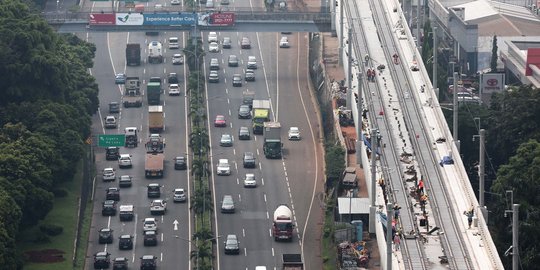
(106, 140)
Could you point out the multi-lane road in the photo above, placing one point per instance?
(295, 179)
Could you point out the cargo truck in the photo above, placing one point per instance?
(272, 146)
(153, 93)
(132, 139)
(133, 54)
(282, 227)
(155, 52)
(292, 262)
(155, 144)
(261, 114)
(155, 119)
(132, 92)
(153, 166)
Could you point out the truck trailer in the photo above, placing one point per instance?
(153, 166)
(282, 227)
(261, 114)
(132, 93)
(155, 119)
(153, 93)
(133, 54)
(272, 146)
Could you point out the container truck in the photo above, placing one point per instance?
(133, 54)
(282, 227)
(132, 94)
(153, 93)
(155, 119)
(153, 165)
(272, 146)
(292, 262)
(261, 114)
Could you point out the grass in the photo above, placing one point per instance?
(64, 213)
(83, 237)
(329, 252)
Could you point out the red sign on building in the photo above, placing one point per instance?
(222, 19)
(102, 19)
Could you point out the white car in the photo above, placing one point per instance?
(212, 37)
(284, 42)
(213, 47)
(110, 122)
(109, 174)
(175, 2)
(179, 195)
(177, 59)
(124, 161)
(249, 180)
(223, 167)
(294, 133)
(158, 207)
(150, 224)
(174, 90)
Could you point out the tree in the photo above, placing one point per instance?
(494, 57)
(521, 175)
(335, 162)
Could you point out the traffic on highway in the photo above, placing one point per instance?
(265, 158)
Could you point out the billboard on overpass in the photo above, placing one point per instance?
(102, 19)
(185, 18)
(129, 19)
(216, 18)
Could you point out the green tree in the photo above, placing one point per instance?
(494, 56)
(522, 176)
(335, 162)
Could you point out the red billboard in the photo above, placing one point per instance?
(216, 19)
(102, 19)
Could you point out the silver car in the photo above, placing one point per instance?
(249, 180)
(226, 140)
(179, 195)
(227, 205)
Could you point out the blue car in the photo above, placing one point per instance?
(120, 78)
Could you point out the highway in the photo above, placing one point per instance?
(295, 179)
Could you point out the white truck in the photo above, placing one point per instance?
(155, 52)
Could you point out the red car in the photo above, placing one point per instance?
(220, 121)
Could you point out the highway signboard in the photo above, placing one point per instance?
(102, 19)
(106, 140)
(216, 18)
(185, 18)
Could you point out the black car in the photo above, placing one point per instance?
(153, 190)
(233, 60)
(180, 163)
(112, 153)
(249, 75)
(249, 160)
(125, 242)
(109, 208)
(120, 263)
(102, 260)
(226, 44)
(172, 78)
(105, 236)
(244, 112)
(150, 238)
(114, 107)
(113, 193)
(243, 133)
(148, 262)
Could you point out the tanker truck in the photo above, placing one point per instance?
(282, 227)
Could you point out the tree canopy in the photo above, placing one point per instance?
(48, 98)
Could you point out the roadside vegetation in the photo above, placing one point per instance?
(48, 98)
(201, 202)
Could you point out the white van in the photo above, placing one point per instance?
(260, 267)
(284, 42)
(173, 43)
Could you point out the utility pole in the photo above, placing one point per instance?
(389, 238)
(359, 111)
(435, 62)
(349, 68)
(455, 118)
(481, 168)
(373, 209)
(515, 237)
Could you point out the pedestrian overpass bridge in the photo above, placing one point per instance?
(313, 20)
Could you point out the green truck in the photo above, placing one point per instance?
(153, 92)
(272, 140)
(261, 114)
